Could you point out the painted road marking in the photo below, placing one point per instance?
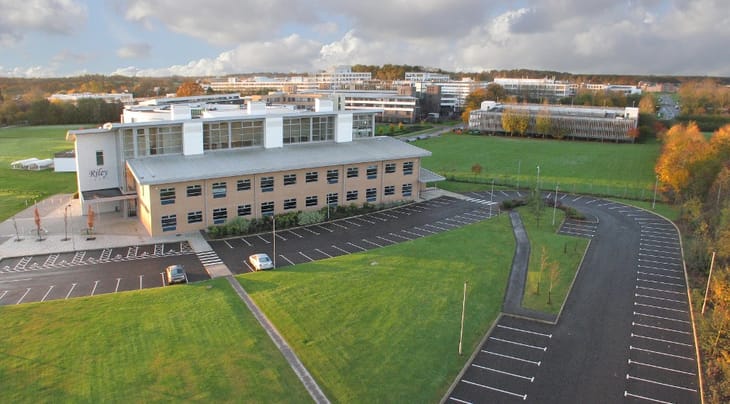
(660, 298)
(310, 230)
(399, 236)
(73, 285)
(446, 224)
(660, 340)
(660, 367)
(660, 290)
(661, 318)
(627, 394)
(295, 233)
(228, 244)
(416, 235)
(659, 282)
(525, 331)
(50, 260)
(340, 249)
(282, 238)
(531, 379)
(385, 239)
(660, 328)
(459, 400)
(435, 227)
(352, 223)
(305, 256)
(357, 246)
(372, 242)
(676, 271)
(324, 228)
(512, 357)
(388, 215)
(365, 220)
(245, 241)
(3, 295)
(322, 252)
(424, 230)
(140, 281)
(23, 297)
(286, 259)
(524, 396)
(116, 288)
(629, 377)
(162, 277)
(661, 353)
(339, 225)
(542, 348)
(263, 239)
(94, 289)
(50, 288)
(131, 251)
(659, 307)
(659, 275)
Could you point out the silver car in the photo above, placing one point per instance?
(260, 261)
(175, 274)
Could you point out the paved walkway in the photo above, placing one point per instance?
(302, 373)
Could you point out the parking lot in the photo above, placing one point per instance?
(39, 278)
(354, 234)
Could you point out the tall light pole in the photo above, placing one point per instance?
(273, 238)
(65, 223)
(555, 203)
(712, 264)
(519, 166)
(656, 183)
(463, 309)
(537, 185)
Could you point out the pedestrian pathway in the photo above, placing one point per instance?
(302, 373)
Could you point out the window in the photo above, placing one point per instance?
(351, 195)
(312, 176)
(219, 190)
(407, 189)
(332, 198)
(247, 133)
(290, 203)
(372, 172)
(408, 168)
(195, 217)
(220, 215)
(244, 210)
(243, 185)
(352, 172)
(194, 190)
(311, 201)
(169, 222)
(389, 190)
(290, 179)
(216, 136)
(389, 168)
(167, 196)
(370, 194)
(267, 208)
(333, 176)
(267, 184)
(100, 157)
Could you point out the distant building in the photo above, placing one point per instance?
(124, 98)
(613, 124)
(537, 89)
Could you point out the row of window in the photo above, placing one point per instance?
(220, 215)
(220, 189)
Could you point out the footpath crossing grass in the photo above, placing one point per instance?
(620, 170)
(19, 187)
(383, 325)
(195, 342)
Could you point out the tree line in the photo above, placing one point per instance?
(695, 174)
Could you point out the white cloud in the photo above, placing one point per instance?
(134, 50)
(29, 72)
(51, 16)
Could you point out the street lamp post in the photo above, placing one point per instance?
(656, 183)
(273, 239)
(519, 166)
(65, 223)
(555, 203)
(537, 185)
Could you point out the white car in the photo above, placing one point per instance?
(260, 261)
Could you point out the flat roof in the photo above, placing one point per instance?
(236, 162)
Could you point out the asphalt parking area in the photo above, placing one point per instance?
(506, 363)
(354, 234)
(92, 272)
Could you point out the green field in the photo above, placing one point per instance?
(19, 188)
(383, 326)
(187, 343)
(620, 170)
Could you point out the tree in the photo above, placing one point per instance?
(647, 104)
(543, 122)
(541, 270)
(508, 121)
(554, 274)
(189, 88)
(684, 146)
(521, 121)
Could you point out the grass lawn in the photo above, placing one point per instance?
(621, 170)
(383, 325)
(20, 187)
(567, 251)
(184, 343)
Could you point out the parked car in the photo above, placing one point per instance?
(260, 261)
(175, 274)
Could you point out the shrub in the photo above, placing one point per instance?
(510, 204)
(307, 218)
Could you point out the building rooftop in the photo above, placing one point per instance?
(228, 163)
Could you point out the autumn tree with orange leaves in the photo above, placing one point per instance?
(189, 88)
(684, 147)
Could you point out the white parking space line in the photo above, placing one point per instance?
(116, 288)
(93, 290)
(50, 288)
(305, 256)
(627, 394)
(340, 249)
(537, 363)
(263, 239)
(73, 285)
(674, 252)
(676, 271)
(324, 228)
(660, 367)
(424, 230)
(446, 224)
(286, 259)
(659, 307)
(385, 239)
(629, 377)
(655, 256)
(140, 281)
(636, 313)
(3, 295)
(280, 237)
(371, 242)
(542, 348)
(524, 331)
(350, 222)
(374, 216)
(245, 241)
(659, 275)
(522, 396)
(310, 230)
(675, 264)
(665, 341)
(162, 277)
(656, 236)
(228, 244)
(660, 282)
(338, 225)
(399, 236)
(248, 266)
(660, 328)
(660, 290)
(364, 220)
(416, 235)
(386, 214)
(459, 400)
(295, 233)
(322, 252)
(659, 244)
(24, 295)
(531, 379)
(357, 246)
(435, 227)
(659, 298)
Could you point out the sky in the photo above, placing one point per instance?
(56, 38)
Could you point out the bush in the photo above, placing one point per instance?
(307, 218)
(510, 204)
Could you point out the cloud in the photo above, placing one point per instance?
(134, 50)
(28, 72)
(50, 16)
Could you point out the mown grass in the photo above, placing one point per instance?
(620, 170)
(19, 188)
(383, 326)
(565, 251)
(187, 343)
